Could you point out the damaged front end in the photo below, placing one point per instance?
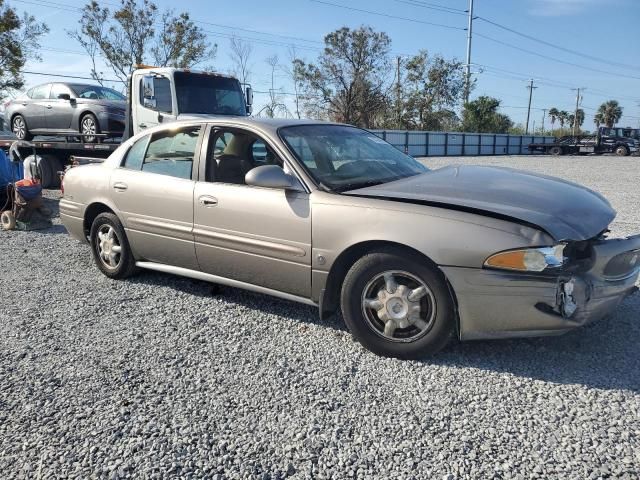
(547, 292)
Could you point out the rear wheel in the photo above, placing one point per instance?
(89, 128)
(19, 128)
(397, 304)
(8, 220)
(622, 151)
(110, 247)
(556, 150)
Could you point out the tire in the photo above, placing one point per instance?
(122, 264)
(622, 151)
(89, 125)
(20, 129)
(556, 151)
(8, 220)
(384, 319)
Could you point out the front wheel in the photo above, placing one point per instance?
(622, 151)
(397, 304)
(110, 247)
(89, 128)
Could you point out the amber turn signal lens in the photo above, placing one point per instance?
(508, 260)
(528, 259)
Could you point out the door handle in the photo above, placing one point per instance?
(142, 125)
(120, 187)
(49, 107)
(207, 201)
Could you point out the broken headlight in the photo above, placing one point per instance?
(528, 259)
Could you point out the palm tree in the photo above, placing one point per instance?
(553, 115)
(610, 113)
(598, 119)
(579, 117)
(563, 116)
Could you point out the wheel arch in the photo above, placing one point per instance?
(348, 257)
(83, 114)
(92, 211)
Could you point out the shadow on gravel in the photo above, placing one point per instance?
(603, 355)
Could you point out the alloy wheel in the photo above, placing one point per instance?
(108, 246)
(19, 128)
(88, 127)
(398, 306)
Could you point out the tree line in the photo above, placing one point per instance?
(355, 79)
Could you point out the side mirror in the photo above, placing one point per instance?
(148, 92)
(272, 176)
(64, 96)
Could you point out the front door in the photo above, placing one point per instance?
(150, 112)
(60, 112)
(260, 236)
(153, 189)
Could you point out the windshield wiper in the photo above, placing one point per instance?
(364, 184)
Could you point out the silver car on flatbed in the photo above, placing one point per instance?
(332, 216)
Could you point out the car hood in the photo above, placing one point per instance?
(564, 210)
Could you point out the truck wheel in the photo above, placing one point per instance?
(396, 304)
(110, 247)
(8, 220)
(622, 151)
(19, 128)
(88, 127)
(556, 151)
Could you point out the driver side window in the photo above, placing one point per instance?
(233, 153)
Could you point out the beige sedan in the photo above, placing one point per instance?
(332, 216)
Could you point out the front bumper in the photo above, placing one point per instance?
(497, 304)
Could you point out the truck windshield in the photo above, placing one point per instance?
(345, 158)
(208, 94)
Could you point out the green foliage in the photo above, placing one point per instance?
(433, 87)
(19, 42)
(481, 116)
(136, 34)
(609, 113)
(348, 81)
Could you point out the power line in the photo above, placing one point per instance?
(556, 59)
(432, 6)
(380, 14)
(558, 47)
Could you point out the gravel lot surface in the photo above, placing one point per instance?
(159, 377)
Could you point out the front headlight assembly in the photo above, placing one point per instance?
(528, 259)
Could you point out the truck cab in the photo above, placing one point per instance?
(162, 95)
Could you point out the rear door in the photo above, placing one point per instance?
(34, 107)
(153, 189)
(59, 112)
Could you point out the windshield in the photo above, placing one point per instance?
(96, 92)
(208, 94)
(344, 158)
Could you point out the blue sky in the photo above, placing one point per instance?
(595, 29)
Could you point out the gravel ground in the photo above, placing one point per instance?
(162, 377)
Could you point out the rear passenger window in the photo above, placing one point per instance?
(135, 155)
(171, 152)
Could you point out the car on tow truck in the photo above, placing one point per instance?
(333, 216)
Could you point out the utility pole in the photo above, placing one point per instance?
(575, 113)
(530, 87)
(398, 95)
(467, 86)
(544, 114)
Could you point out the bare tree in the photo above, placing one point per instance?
(127, 37)
(275, 105)
(294, 74)
(240, 55)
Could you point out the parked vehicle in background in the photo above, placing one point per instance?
(67, 108)
(158, 96)
(606, 140)
(412, 257)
